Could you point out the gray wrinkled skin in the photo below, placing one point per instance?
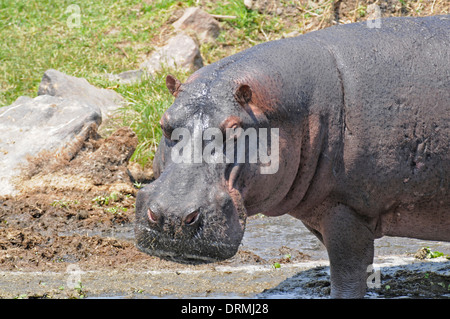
(364, 117)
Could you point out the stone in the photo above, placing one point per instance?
(58, 84)
(127, 77)
(181, 51)
(248, 4)
(202, 23)
(45, 123)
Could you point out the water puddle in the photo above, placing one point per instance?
(265, 235)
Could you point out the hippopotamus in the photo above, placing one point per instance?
(362, 122)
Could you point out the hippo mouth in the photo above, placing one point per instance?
(206, 236)
(188, 251)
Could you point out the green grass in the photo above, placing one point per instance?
(113, 36)
(147, 101)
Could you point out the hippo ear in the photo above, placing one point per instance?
(173, 84)
(243, 94)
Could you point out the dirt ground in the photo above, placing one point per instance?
(40, 232)
(68, 210)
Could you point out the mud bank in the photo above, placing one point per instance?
(302, 280)
(102, 262)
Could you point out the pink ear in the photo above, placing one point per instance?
(173, 84)
(243, 94)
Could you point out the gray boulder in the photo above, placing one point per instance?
(181, 51)
(202, 23)
(58, 84)
(127, 77)
(46, 123)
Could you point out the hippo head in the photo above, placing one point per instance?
(196, 209)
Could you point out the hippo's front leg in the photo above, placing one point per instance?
(350, 245)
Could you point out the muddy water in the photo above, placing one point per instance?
(286, 261)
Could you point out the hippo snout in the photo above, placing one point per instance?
(180, 224)
(187, 219)
(187, 223)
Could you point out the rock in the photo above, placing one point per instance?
(58, 84)
(130, 76)
(248, 4)
(127, 77)
(21, 100)
(45, 123)
(181, 51)
(422, 253)
(199, 21)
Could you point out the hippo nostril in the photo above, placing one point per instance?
(191, 218)
(151, 216)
